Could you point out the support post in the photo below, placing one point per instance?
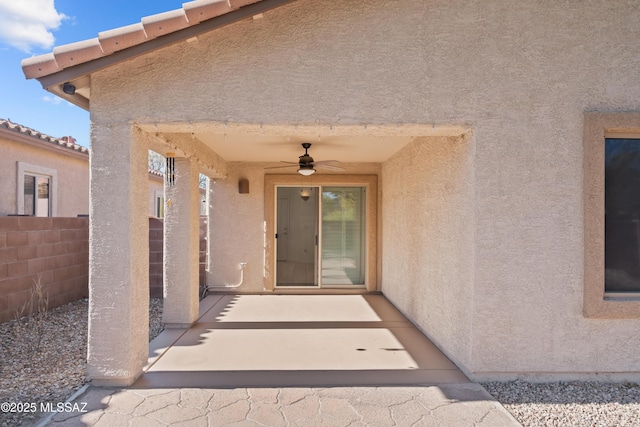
(181, 246)
(118, 336)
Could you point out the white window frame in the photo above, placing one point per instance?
(158, 201)
(23, 169)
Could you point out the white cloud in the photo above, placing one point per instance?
(52, 100)
(25, 24)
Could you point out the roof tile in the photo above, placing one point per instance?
(72, 54)
(164, 23)
(65, 141)
(41, 65)
(122, 37)
(111, 41)
(201, 10)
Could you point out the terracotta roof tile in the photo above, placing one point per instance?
(44, 138)
(38, 66)
(108, 42)
(72, 54)
(164, 23)
(122, 38)
(198, 11)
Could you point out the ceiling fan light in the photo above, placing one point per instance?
(306, 172)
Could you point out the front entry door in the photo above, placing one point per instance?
(320, 236)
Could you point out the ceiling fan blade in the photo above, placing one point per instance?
(280, 167)
(327, 162)
(329, 167)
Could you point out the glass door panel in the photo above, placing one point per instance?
(296, 231)
(343, 236)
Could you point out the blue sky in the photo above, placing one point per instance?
(35, 27)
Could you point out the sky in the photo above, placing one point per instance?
(35, 27)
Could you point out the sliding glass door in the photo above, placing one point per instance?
(320, 236)
(343, 236)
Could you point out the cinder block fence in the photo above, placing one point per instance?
(55, 252)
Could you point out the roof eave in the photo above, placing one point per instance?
(53, 82)
(12, 135)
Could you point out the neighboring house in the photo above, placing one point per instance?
(41, 175)
(156, 194)
(473, 140)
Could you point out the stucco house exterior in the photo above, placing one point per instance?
(58, 168)
(472, 137)
(42, 175)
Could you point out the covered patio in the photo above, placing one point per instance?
(474, 136)
(162, 85)
(296, 341)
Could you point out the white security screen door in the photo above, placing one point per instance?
(297, 236)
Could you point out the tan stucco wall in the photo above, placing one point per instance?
(428, 217)
(72, 174)
(521, 75)
(237, 224)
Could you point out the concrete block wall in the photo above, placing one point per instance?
(156, 238)
(155, 257)
(54, 251)
(203, 251)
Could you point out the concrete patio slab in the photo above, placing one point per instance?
(306, 360)
(445, 405)
(297, 340)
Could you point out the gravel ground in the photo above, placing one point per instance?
(54, 371)
(46, 361)
(569, 403)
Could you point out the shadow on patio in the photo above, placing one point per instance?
(294, 341)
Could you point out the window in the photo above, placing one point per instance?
(611, 190)
(36, 195)
(159, 204)
(36, 190)
(622, 215)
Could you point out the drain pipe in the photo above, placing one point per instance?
(227, 286)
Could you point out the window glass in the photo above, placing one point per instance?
(160, 206)
(29, 194)
(343, 235)
(622, 215)
(37, 200)
(42, 208)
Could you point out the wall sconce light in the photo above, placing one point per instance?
(68, 88)
(305, 194)
(243, 186)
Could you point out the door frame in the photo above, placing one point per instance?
(370, 182)
(278, 240)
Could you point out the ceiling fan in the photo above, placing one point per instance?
(306, 163)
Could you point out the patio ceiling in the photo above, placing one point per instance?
(241, 142)
(72, 65)
(238, 147)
